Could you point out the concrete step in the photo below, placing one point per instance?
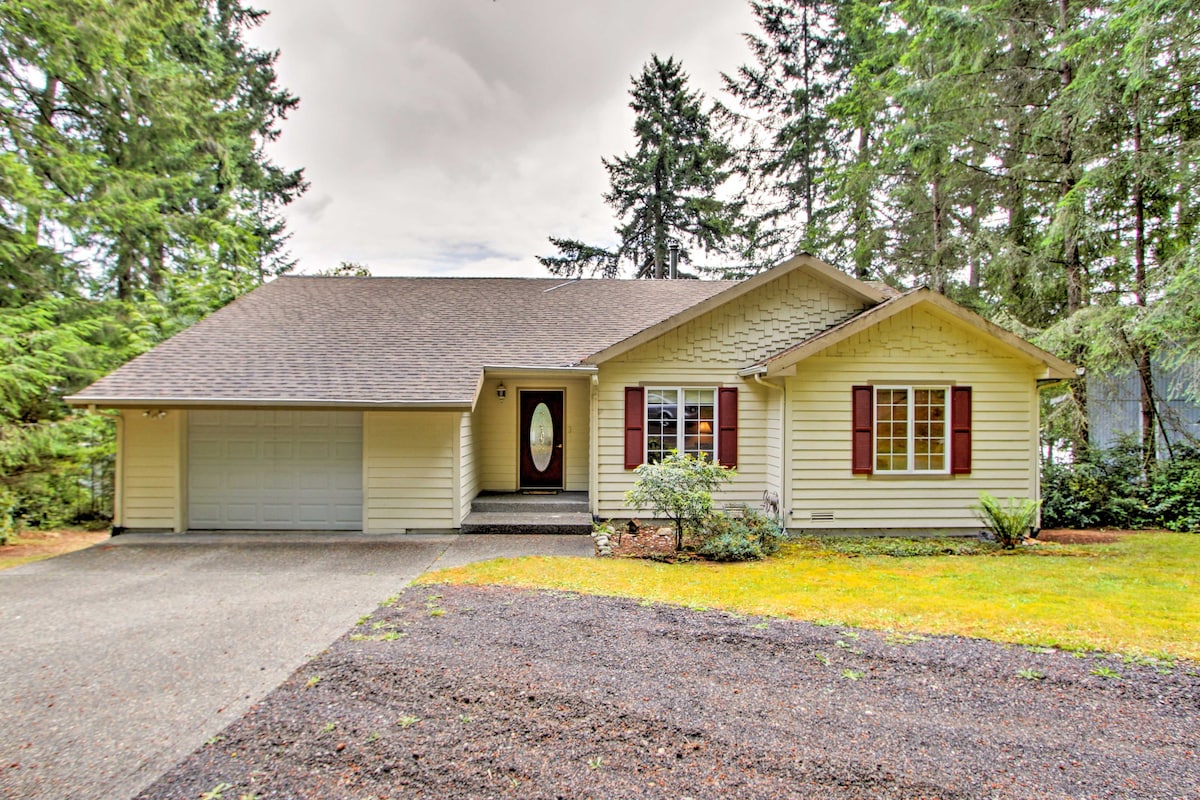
(575, 522)
(565, 503)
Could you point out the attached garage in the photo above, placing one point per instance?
(275, 470)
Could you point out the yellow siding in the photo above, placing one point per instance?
(152, 470)
(410, 471)
(468, 471)
(496, 438)
(916, 346)
(709, 351)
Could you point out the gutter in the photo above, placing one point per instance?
(581, 370)
(259, 402)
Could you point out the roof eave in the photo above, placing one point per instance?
(268, 402)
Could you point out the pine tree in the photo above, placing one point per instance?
(666, 189)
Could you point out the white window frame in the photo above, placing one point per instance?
(679, 422)
(910, 421)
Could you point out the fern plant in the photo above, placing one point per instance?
(1008, 523)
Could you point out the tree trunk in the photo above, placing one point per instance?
(937, 270)
(863, 240)
(1142, 352)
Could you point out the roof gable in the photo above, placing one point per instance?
(1054, 367)
(818, 269)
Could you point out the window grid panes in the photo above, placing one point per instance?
(690, 430)
(910, 429)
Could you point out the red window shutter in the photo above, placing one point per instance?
(635, 415)
(863, 429)
(727, 426)
(960, 430)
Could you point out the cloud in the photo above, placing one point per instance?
(458, 134)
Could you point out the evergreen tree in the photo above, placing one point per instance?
(665, 189)
(802, 61)
(135, 197)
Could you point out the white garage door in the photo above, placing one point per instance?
(281, 470)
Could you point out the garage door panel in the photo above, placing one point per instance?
(275, 469)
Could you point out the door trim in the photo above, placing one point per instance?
(562, 393)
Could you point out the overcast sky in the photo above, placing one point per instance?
(451, 137)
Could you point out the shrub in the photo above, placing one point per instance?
(1107, 488)
(1173, 499)
(679, 487)
(750, 537)
(7, 527)
(1008, 523)
(1103, 488)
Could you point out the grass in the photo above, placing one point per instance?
(1140, 595)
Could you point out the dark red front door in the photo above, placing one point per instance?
(541, 439)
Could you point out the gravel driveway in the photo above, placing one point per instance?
(485, 692)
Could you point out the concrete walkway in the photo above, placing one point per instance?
(118, 660)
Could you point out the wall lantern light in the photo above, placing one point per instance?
(501, 391)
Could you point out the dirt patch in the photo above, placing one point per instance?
(36, 545)
(460, 692)
(1069, 536)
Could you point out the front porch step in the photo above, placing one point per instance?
(533, 504)
(572, 522)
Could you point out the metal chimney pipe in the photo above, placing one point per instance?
(673, 251)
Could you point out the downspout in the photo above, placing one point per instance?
(593, 444)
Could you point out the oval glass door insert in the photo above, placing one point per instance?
(541, 437)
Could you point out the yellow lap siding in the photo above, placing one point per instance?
(410, 471)
(914, 347)
(151, 477)
(469, 469)
(709, 351)
(496, 431)
(614, 480)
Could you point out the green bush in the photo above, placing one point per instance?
(680, 488)
(1174, 492)
(1107, 489)
(7, 527)
(750, 537)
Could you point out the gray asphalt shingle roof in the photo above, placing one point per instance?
(390, 340)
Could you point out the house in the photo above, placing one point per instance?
(390, 404)
(1114, 406)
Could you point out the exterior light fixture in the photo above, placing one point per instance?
(501, 391)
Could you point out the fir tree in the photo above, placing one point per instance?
(666, 189)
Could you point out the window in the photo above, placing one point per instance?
(700, 421)
(680, 419)
(911, 430)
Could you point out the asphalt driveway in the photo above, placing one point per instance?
(118, 660)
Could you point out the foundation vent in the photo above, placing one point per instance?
(821, 516)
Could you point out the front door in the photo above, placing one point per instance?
(542, 439)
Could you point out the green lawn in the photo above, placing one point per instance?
(1140, 596)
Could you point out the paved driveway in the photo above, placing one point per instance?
(117, 661)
